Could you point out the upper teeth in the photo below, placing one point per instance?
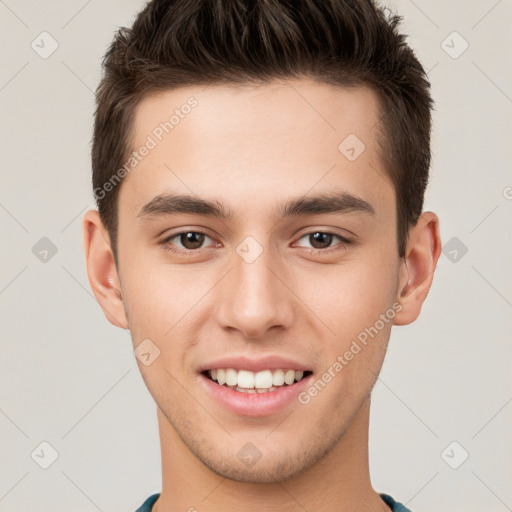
(251, 380)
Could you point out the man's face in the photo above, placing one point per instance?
(258, 284)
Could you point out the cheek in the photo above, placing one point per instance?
(164, 303)
(350, 300)
(351, 296)
(149, 301)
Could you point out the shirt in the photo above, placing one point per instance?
(392, 504)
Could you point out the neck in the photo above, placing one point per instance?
(338, 482)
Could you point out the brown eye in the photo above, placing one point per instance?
(320, 240)
(192, 239)
(185, 242)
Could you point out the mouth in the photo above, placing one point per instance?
(255, 386)
(264, 381)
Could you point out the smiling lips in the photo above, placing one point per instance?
(254, 385)
(264, 381)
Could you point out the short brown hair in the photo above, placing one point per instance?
(175, 43)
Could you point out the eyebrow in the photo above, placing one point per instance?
(333, 202)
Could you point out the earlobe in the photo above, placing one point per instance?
(101, 269)
(417, 269)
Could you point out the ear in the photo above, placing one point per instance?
(417, 269)
(101, 269)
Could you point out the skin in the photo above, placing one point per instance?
(253, 149)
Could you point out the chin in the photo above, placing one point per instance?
(268, 473)
(273, 467)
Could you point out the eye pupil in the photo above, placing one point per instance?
(320, 240)
(192, 239)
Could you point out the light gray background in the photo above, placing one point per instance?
(69, 378)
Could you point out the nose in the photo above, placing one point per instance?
(254, 298)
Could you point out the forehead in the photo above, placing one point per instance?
(247, 141)
(291, 109)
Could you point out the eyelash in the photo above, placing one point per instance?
(168, 246)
